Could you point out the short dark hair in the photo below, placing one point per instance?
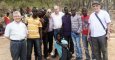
(65, 8)
(35, 14)
(73, 9)
(41, 13)
(84, 9)
(7, 13)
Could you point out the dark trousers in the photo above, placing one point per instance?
(36, 42)
(45, 44)
(18, 50)
(50, 41)
(66, 55)
(100, 47)
(70, 43)
(47, 40)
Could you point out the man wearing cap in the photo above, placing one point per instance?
(99, 22)
(16, 32)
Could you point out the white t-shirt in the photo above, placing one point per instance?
(95, 26)
(57, 20)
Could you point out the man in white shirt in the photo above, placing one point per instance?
(98, 31)
(57, 21)
(16, 32)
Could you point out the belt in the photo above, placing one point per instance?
(18, 40)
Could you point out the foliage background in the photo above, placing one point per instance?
(6, 5)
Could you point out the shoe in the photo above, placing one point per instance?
(93, 59)
(53, 56)
(45, 59)
(87, 59)
(51, 53)
(73, 55)
(48, 58)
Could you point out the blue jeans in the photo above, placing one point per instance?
(36, 42)
(85, 45)
(77, 45)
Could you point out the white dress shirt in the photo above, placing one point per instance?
(16, 31)
(57, 20)
(96, 27)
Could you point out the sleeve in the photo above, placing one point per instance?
(107, 17)
(26, 30)
(26, 20)
(52, 23)
(40, 24)
(62, 25)
(89, 21)
(63, 14)
(80, 24)
(7, 31)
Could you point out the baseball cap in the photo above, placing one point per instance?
(96, 2)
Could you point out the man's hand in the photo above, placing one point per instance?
(108, 36)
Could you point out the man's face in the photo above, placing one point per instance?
(59, 37)
(17, 18)
(73, 11)
(96, 7)
(56, 10)
(49, 12)
(66, 10)
(84, 12)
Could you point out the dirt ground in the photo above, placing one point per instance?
(5, 52)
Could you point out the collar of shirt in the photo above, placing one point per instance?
(17, 22)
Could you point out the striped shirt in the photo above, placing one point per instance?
(76, 23)
(33, 27)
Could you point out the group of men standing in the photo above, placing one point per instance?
(41, 26)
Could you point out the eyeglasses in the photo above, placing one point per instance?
(49, 12)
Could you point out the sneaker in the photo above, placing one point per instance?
(51, 53)
(87, 59)
(54, 56)
(48, 58)
(45, 59)
(73, 55)
(93, 59)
